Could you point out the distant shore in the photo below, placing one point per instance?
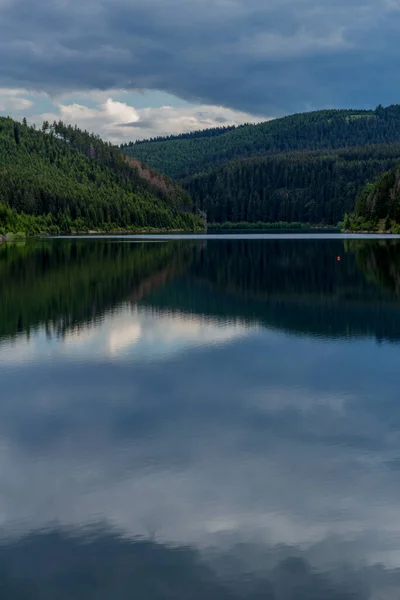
(245, 225)
(368, 232)
(20, 236)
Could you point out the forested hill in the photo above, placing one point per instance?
(309, 187)
(183, 156)
(63, 179)
(200, 133)
(378, 205)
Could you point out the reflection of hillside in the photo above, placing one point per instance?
(323, 317)
(293, 269)
(379, 261)
(62, 284)
(102, 565)
(297, 286)
(294, 285)
(152, 282)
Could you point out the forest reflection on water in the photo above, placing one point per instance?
(214, 418)
(64, 284)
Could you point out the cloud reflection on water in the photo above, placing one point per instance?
(226, 435)
(128, 332)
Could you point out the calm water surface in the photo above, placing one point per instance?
(200, 418)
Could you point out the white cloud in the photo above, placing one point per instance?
(13, 100)
(105, 120)
(117, 121)
(113, 115)
(7, 92)
(120, 112)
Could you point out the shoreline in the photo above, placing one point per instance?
(276, 226)
(12, 237)
(132, 231)
(368, 232)
(21, 236)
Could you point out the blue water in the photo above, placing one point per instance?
(200, 418)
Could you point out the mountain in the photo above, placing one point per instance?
(308, 168)
(308, 187)
(183, 156)
(65, 179)
(378, 205)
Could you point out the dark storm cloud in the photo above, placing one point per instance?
(258, 56)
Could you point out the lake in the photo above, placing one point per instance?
(200, 417)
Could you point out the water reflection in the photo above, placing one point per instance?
(257, 438)
(294, 285)
(128, 333)
(170, 399)
(101, 564)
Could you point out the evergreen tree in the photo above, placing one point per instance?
(63, 179)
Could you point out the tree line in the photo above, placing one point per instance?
(308, 187)
(183, 156)
(200, 133)
(62, 179)
(378, 205)
(307, 168)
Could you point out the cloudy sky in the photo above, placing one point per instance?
(129, 69)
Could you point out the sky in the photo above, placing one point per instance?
(132, 69)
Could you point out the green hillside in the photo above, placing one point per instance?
(378, 205)
(306, 168)
(187, 155)
(64, 179)
(309, 187)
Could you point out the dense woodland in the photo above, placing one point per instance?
(200, 133)
(310, 187)
(62, 179)
(378, 205)
(308, 167)
(321, 130)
